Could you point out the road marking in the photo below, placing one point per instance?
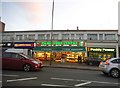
(8, 75)
(23, 79)
(54, 85)
(65, 79)
(101, 82)
(82, 84)
(83, 80)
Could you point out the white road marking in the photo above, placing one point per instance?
(101, 82)
(83, 80)
(65, 79)
(23, 79)
(82, 84)
(8, 75)
(54, 85)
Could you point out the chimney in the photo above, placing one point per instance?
(77, 28)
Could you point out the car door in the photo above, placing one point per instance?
(119, 63)
(17, 61)
(6, 60)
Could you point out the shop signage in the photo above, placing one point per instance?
(59, 43)
(102, 49)
(24, 44)
(60, 48)
(6, 44)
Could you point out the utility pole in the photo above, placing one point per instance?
(51, 57)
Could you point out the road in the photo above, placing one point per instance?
(58, 77)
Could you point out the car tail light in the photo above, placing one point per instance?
(101, 63)
(107, 63)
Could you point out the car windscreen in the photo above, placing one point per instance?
(27, 56)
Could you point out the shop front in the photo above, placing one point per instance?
(6, 45)
(57, 51)
(25, 45)
(96, 52)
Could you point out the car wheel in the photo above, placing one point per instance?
(26, 67)
(115, 73)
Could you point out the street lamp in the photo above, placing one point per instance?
(52, 32)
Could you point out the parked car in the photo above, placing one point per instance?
(93, 61)
(12, 60)
(110, 67)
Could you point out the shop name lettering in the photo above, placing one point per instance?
(98, 49)
(23, 44)
(59, 43)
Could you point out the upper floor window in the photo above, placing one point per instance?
(31, 36)
(41, 36)
(48, 37)
(79, 36)
(109, 36)
(55, 36)
(100, 36)
(65, 36)
(72, 36)
(25, 37)
(92, 36)
(19, 37)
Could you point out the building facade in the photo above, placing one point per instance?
(67, 43)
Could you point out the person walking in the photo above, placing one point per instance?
(79, 59)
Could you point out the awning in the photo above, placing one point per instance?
(60, 48)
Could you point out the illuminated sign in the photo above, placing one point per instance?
(6, 44)
(101, 49)
(16, 45)
(24, 44)
(58, 43)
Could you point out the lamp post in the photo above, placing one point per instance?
(51, 57)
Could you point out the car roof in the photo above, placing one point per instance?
(114, 58)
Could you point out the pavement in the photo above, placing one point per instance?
(69, 65)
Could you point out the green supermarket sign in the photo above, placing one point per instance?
(58, 43)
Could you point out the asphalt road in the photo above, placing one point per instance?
(58, 77)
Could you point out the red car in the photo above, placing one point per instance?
(11, 60)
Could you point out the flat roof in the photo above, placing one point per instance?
(62, 31)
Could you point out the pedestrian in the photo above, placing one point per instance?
(79, 59)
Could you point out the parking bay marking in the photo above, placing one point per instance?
(83, 80)
(54, 85)
(82, 84)
(23, 79)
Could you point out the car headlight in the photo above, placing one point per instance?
(35, 62)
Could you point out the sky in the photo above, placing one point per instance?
(20, 15)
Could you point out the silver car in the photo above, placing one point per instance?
(111, 67)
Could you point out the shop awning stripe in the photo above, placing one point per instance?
(59, 48)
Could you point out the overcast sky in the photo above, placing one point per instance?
(68, 14)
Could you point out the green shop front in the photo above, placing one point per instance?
(58, 50)
(97, 52)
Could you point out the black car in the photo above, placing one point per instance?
(93, 61)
